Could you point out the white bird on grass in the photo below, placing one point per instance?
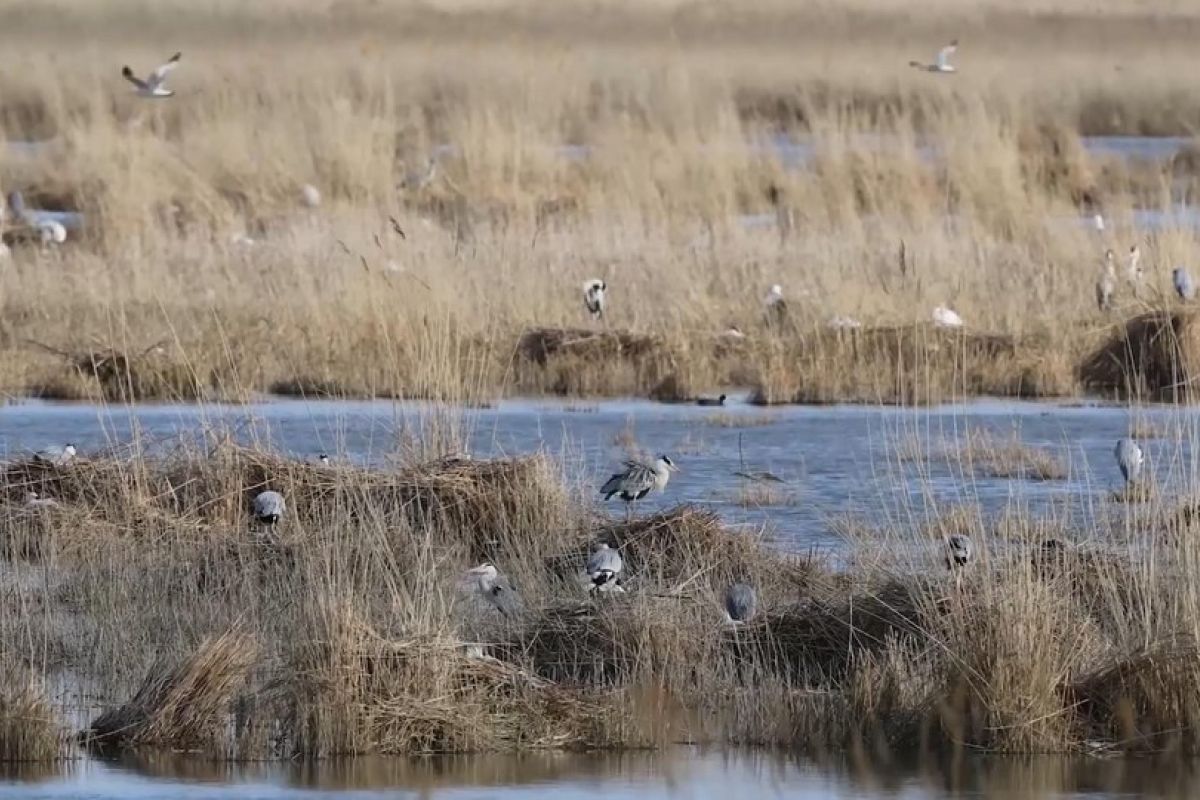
(1098, 223)
(310, 195)
(1129, 459)
(594, 297)
(775, 306)
(58, 455)
(36, 502)
(269, 507)
(603, 568)
(51, 232)
(1183, 283)
(944, 317)
(152, 86)
(942, 62)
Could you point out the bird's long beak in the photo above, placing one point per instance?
(674, 468)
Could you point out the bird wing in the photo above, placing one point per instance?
(128, 75)
(159, 75)
(943, 56)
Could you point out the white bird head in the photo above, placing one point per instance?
(594, 286)
(310, 195)
(484, 571)
(665, 463)
(69, 449)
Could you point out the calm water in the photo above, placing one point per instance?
(683, 773)
(871, 464)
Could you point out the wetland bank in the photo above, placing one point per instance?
(146, 613)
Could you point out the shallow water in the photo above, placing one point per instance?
(677, 773)
(870, 463)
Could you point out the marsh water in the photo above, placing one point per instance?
(685, 773)
(828, 466)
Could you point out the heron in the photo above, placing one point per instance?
(594, 297)
(416, 180)
(711, 401)
(1183, 283)
(775, 306)
(51, 231)
(493, 587)
(637, 479)
(269, 507)
(1133, 267)
(1129, 459)
(1098, 223)
(58, 455)
(844, 323)
(152, 86)
(310, 195)
(1107, 285)
(36, 502)
(958, 551)
(944, 317)
(324, 460)
(741, 603)
(942, 62)
(603, 568)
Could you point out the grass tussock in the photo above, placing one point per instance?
(29, 727)
(348, 629)
(1154, 356)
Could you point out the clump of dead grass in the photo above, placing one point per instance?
(29, 728)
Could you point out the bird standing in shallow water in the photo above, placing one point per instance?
(1129, 459)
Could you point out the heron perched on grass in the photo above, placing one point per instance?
(35, 502)
(153, 86)
(310, 195)
(269, 507)
(637, 479)
(775, 306)
(958, 551)
(594, 297)
(603, 568)
(741, 603)
(1107, 285)
(324, 460)
(941, 63)
(1129, 459)
(493, 587)
(1183, 283)
(58, 455)
(416, 180)
(945, 317)
(1133, 268)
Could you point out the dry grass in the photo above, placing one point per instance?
(916, 191)
(30, 729)
(345, 631)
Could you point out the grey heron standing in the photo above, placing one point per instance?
(492, 587)
(637, 479)
(741, 603)
(594, 297)
(1183, 283)
(775, 307)
(958, 551)
(1129, 459)
(269, 507)
(58, 455)
(603, 569)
